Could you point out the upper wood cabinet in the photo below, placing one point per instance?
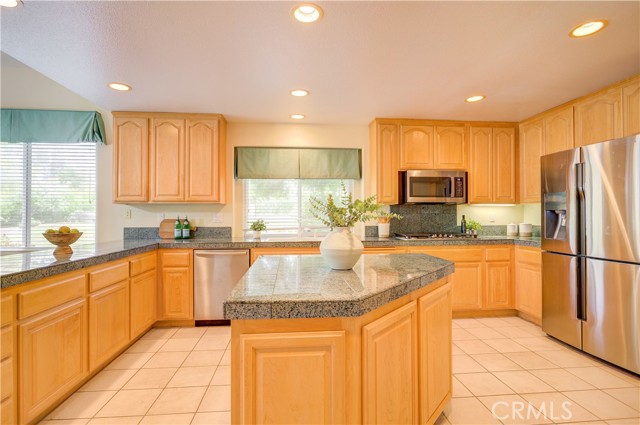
(130, 159)
(531, 143)
(492, 170)
(631, 107)
(558, 131)
(173, 158)
(383, 170)
(416, 147)
(450, 148)
(598, 118)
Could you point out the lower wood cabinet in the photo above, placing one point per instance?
(143, 300)
(53, 357)
(390, 368)
(256, 253)
(276, 366)
(108, 322)
(176, 283)
(8, 361)
(528, 283)
(498, 282)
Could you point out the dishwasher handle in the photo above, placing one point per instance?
(217, 253)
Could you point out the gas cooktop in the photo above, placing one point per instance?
(407, 236)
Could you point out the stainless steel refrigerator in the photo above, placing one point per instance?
(591, 249)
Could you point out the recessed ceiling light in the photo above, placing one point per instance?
(299, 92)
(588, 28)
(119, 86)
(476, 98)
(306, 13)
(9, 3)
(297, 116)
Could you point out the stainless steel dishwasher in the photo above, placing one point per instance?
(215, 274)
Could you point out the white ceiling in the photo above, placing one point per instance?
(362, 60)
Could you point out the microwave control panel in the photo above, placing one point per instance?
(458, 187)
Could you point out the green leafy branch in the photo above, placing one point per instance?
(346, 212)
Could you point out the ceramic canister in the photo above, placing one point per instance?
(512, 230)
(525, 229)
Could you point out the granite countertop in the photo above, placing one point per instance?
(304, 286)
(16, 268)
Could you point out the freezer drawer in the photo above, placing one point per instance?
(560, 298)
(611, 330)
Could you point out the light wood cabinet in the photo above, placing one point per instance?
(108, 322)
(492, 171)
(531, 144)
(528, 282)
(390, 368)
(143, 299)
(172, 158)
(416, 147)
(631, 107)
(498, 292)
(166, 168)
(176, 284)
(451, 148)
(598, 118)
(53, 357)
(434, 316)
(276, 366)
(8, 361)
(384, 164)
(558, 131)
(256, 253)
(130, 159)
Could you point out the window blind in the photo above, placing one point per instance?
(46, 185)
(284, 203)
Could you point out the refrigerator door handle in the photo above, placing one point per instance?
(581, 210)
(581, 264)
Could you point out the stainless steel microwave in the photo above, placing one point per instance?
(434, 187)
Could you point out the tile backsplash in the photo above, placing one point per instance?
(424, 218)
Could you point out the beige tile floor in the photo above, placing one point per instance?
(504, 365)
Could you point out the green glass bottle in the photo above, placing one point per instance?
(186, 228)
(177, 229)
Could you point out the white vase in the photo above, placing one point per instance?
(383, 230)
(256, 234)
(341, 249)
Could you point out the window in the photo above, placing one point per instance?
(284, 204)
(46, 185)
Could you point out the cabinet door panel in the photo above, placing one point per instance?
(531, 144)
(467, 283)
(293, 378)
(177, 294)
(451, 148)
(108, 322)
(504, 165)
(498, 285)
(434, 312)
(558, 129)
(390, 369)
(416, 147)
(143, 302)
(387, 164)
(599, 118)
(167, 160)
(481, 161)
(631, 108)
(130, 159)
(53, 357)
(203, 157)
(529, 290)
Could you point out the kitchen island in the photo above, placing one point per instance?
(368, 345)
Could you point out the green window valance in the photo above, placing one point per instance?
(37, 126)
(297, 163)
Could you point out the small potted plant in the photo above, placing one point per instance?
(258, 227)
(384, 222)
(474, 226)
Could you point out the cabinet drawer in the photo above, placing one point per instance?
(48, 296)
(6, 378)
(498, 254)
(6, 339)
(383, 250)
(108, 275)
(533, 257)
(7, 310)
(176, 259)
(143, 264)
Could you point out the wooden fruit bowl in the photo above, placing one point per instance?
(62, 241)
